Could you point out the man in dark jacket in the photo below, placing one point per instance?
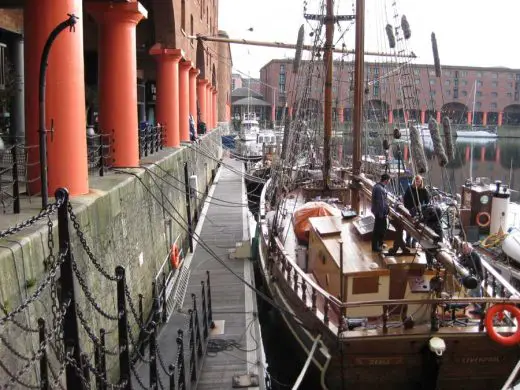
(380, 211)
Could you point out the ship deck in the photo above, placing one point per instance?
(358, 257)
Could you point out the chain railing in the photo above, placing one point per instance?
(98, 153)
(151, 140)
(62, 362)
(14, 176)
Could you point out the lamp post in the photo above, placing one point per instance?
(69, 23)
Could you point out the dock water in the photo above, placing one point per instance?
(232, 355)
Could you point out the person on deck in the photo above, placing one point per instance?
(414, 198)
(380, 211)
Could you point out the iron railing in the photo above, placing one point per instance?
(151, 140)
(19, 169)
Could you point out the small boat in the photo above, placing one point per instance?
(476, 132)
(249, 129)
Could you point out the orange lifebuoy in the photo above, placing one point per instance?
(487, 219)
(174, 256)
(509, 341)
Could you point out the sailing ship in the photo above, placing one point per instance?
(402, 319)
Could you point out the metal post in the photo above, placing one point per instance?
(141, 324)
(86, 371)
(188, 206)
(193, 347)
(198, 342)
(164, 302)
(210, 311)
(44, 375)
(171, 367)
(69, 23)
(180, 363)
(16, 184)
(103, 360)
(97, 365)
(204, 312)
(124, 351)
(153, 355)
(70, 325)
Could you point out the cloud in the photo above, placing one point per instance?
(469, 32)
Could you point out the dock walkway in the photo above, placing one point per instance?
(234, 348)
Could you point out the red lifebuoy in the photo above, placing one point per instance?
(487, 219)
(174, 256)
(509, 341)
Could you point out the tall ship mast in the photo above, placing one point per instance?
(405, 318)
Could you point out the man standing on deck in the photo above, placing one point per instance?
(380, 211)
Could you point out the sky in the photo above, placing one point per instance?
(469, 32)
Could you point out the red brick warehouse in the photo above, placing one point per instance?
(491, 93)
(125, 63)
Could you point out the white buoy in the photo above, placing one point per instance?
(437, 345)
(499, 208)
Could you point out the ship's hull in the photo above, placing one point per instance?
(396, 360)
(471, 361)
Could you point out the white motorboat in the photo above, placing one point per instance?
(249, 130)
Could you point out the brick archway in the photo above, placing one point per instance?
(164, 22)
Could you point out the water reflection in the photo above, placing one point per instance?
(498, 159)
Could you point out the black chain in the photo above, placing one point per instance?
(134, 311)
(99, 375)
(89, 296)
(139, 380)
(13, 350)
(161, 361)
(91, 334)
(83, 241)
(79, 371)
(51, 259)
(56, 377)
(160, 381)
(36, 293)
(15, 378)
(135, 346)
(50, 209)
(25, 328)
(50, 243)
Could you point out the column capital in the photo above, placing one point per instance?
(202, 82)
(120, 12)
(186, 64)
(194, 71)
(214, 90)
(161, 52)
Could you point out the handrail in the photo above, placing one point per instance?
(317, 287)
(489, 268)
(514, 292)
(430, 301)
